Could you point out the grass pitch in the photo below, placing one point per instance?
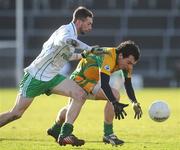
(29, 132)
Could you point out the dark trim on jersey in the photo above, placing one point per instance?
(129, 89)
(117, 55)
(106, 87)
(73, 28)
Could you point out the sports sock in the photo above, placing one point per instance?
(56, 128)
(66, 129)
(108, 129)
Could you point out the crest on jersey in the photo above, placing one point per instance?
(107, 67)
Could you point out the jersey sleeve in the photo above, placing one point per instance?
(61, 35)
(83, 46)
(64, 34)
(108, 63)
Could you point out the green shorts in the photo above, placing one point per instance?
(31, 87)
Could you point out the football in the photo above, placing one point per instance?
(159, 111)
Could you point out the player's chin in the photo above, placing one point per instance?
(84, 32)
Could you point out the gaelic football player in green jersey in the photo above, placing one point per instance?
(93, 74)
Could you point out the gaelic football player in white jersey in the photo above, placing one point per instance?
(43, 75)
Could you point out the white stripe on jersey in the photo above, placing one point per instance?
(26, 84)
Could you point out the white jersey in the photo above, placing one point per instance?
(55, 53)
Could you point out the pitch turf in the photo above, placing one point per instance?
(29, 133)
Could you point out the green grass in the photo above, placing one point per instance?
(29, 133)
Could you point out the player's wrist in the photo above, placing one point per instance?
(114, 102)
(83, 55)
(133, 101)
(92, 50)
(136, 105)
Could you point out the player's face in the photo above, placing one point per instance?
(85, 25)
(126, 63)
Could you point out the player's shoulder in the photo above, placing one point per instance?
(65, 27)
(109, 48)
(111, 51)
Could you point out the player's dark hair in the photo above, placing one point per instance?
(129, 48)
(82, 13)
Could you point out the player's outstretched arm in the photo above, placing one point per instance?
(118, 107)
(94, 50)
(130, 92)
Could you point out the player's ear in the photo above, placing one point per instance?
(78, 23)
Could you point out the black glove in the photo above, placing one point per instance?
(84, 54)
(137, 111)
(119, 110)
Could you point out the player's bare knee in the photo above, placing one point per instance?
(16, 115)
(80, 95)
(79, 101)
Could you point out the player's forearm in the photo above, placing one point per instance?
(80, 45)
(83, 46)
(106, 88)
(68, 39)
(130, 90)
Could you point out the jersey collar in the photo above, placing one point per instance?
(116, 57)
(74, 29)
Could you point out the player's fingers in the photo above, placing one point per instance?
(125, 105)
(138, 116)
(124, 113)
(140, 113)
(119, 117)
(122, 116)
(115, 115)
(135, 116)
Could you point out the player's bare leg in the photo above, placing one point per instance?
(68, 88)
(108, 113)
(17, 111)
(55, 130)
(71, 89)
(66, 136)
(109, 136)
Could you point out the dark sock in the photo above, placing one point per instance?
(108, 129)
(56, 129)
(66, 129)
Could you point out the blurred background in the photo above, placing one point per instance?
(153, 24)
